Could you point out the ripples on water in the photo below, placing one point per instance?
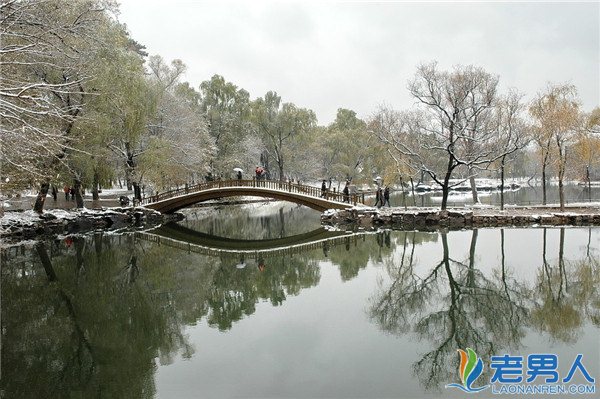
(376, 315)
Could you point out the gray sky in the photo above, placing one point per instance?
(326, 55)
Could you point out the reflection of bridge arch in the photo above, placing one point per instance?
(174, 200)
(181, 233)
(197, 243)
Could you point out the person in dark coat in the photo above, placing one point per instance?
(323, 188)
(378, 199)
(239, 175)
(386, 196)
(72, 192)
(54, 193)
(346, 193)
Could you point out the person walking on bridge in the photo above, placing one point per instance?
(323, 188)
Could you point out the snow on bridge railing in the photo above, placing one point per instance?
(269, 184)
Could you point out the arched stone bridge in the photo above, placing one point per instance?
(174, 200)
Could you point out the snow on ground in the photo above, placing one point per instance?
(31, 217)
(111, 192)
(26, 218)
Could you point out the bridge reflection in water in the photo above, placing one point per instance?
(177, 236)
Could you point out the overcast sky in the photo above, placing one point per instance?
(357, 54)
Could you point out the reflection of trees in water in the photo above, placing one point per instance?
(235, 292)
(456, 306)
(355, 255)
(85, 320)
(93, 317)
(453, 306)
(566, 293)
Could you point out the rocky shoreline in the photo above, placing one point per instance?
(15, 226)
(432, 219)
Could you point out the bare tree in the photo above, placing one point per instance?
(446, 131)
(512, 130)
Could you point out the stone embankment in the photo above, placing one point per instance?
(431, 219)
(30, 225)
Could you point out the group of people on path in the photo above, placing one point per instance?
(260, 172)
(382, 197)
(69, 192)
(345, 191)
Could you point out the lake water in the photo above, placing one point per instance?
(364, 315)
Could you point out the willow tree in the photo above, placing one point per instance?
(46, 49)
(587, 148)
(346, 144)
(556, 113)
(227, 111)
(279, 123)
(177, 147)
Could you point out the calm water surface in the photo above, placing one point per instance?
(374, 315)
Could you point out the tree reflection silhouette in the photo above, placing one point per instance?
(453, 306)
(235, 292)
(85, 327)
(94, 318)
(565, 294)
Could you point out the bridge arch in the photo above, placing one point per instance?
(309, 196)
(181, 233)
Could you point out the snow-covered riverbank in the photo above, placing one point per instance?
(430, 219)
(29, 224)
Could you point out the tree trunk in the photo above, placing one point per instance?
(281, 171)
(403, 193)
(544, 184)
(562, 161)
(41, 197)
(502, 184)
(95, 186)
(78, 197)
(137, 192)
(412, 187)
(473, 188)
(446, 188)
(561, 193)
(587, 175)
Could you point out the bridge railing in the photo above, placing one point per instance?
(270, 184)
(326, 243)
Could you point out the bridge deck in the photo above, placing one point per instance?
(173, 200)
